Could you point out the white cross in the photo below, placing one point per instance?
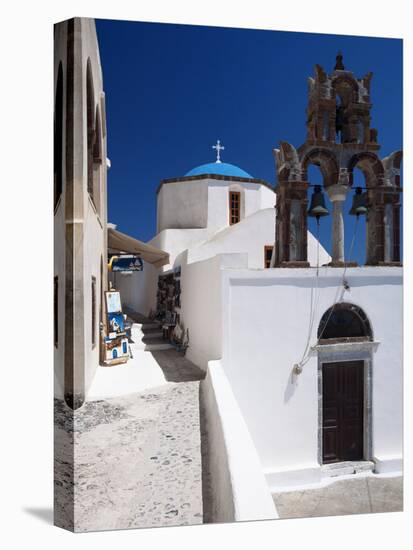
(218, 148)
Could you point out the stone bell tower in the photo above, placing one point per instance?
(339, 139)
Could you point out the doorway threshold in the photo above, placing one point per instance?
(346, 468)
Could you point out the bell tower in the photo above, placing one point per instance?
(339, 107)
(339, 139)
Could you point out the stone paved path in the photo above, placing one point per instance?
(355, 495)
(137, 458)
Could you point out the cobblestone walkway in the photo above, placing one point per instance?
(137, 460)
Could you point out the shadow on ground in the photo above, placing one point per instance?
(44, 514)
(176, 367)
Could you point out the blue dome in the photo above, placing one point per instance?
(220, 169)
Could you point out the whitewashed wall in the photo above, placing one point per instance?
(205, 203)
(94, 250)
(182, 205)
(138, 290)
(239, 491)
(250, 236)
(265, 326)
(201, 311)
(176, 241)
(254, 197)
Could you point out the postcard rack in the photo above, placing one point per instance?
(116, 345)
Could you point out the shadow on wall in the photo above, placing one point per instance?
(291, 385)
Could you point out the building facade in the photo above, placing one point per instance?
(80, 208)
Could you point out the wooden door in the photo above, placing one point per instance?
(343, 395)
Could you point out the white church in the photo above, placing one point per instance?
(310, 344)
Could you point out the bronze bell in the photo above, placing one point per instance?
(359, 206)
(317, 207)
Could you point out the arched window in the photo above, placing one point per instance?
(58, 137)
(90, 119)
(97, 161)
(344, 322)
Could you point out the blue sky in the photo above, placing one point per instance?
(173, 90)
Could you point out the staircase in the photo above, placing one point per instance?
(146, 334)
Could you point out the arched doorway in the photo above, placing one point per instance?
(345, 341)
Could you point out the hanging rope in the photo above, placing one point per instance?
(341, 286)
(314, 303)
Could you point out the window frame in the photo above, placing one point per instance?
(268, 247)
(237, 209)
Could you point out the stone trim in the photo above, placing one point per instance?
(327, 350)
(215, 177)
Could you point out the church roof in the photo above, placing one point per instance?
(220, 169)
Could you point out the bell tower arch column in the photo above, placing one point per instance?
(337, 194)
(291, 224)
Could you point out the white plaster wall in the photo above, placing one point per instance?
(250, 236)
(182, 205)
(201, 306)
(205, 203)
(176, 241)
(253, 198)
(268, 198)
(138, 290)
(95, 238)
(265, 325)
(238, 486)
(94, 246)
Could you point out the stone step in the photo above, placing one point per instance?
(150, 343)
(146, 326)
(363, 466)
(150, 325)
(158, 347)
(137, 333)
(346, 468)
(153, 333)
